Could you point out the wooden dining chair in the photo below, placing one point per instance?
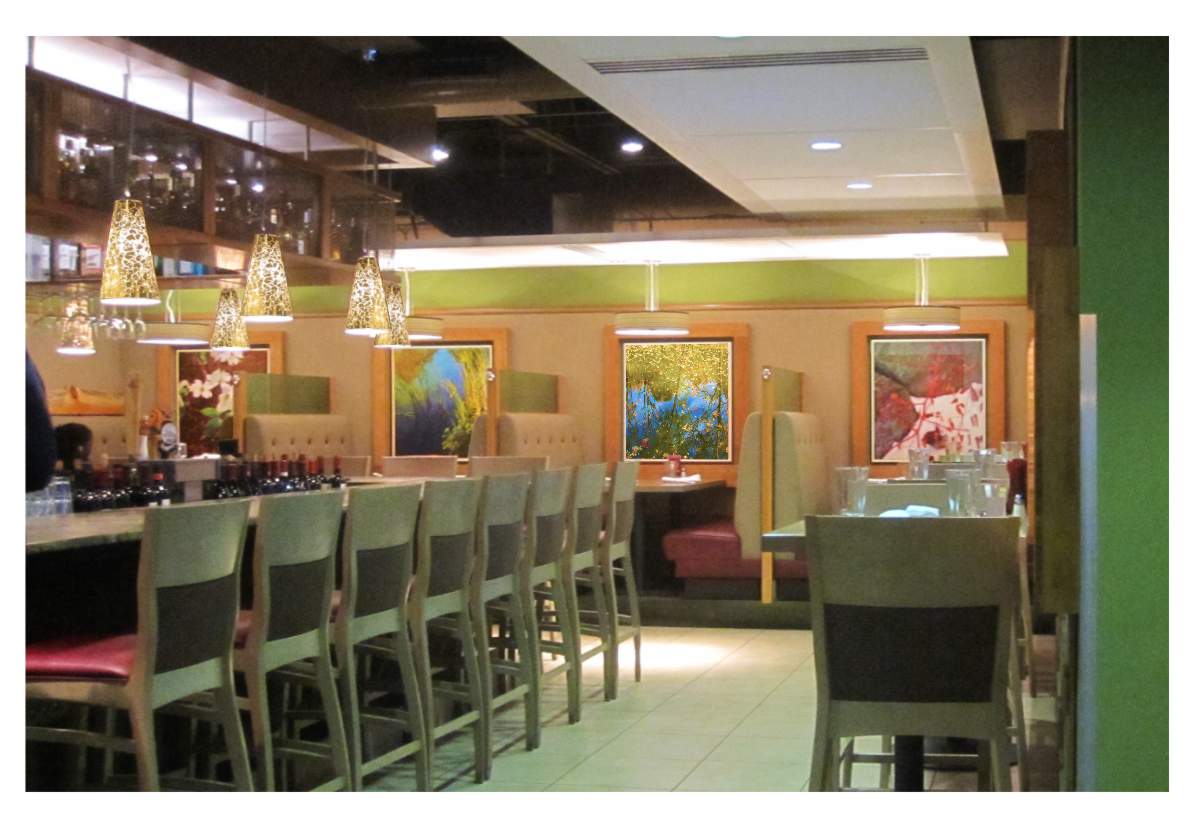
(182, 652)
(295, 547)
(442, 588)
(615, 560)
(912, 630)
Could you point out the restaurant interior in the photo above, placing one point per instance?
(596, 413)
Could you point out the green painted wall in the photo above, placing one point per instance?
(1123, 236)
(778, 282)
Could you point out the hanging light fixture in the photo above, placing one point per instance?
(419, 328)
(652, 322)
(77, 338)
(267, 299)
(367, 314)
(229, 330)
(128, 277)
(922, 317)
(397, 334)
(173, 332)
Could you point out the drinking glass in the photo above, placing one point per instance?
(918, 463)
(850, 490)
(60, 494)
(1013, 449)
(962, 488)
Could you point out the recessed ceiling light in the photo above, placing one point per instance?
(632, 146)
(231, 180)
(859, 185)
(826, 145)
(257, 186)
(439, 154)
(151, 157)
(181, 167)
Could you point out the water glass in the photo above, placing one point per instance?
(1012, 449)
(918, 463)
(962, 488)
(850, 490)
(60, 495)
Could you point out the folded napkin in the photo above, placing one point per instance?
(912, 511)
(695, 477)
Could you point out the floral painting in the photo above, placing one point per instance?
(204, 393)
(677, 397)
(437, 392)
(928, 393)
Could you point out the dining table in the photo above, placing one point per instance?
(650, 566)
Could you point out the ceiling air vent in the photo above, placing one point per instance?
(865, 55)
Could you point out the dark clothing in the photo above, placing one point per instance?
(39, 433)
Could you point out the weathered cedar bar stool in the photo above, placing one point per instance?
(187, 612)
(294, 550)
(445, 560)
(614, 559)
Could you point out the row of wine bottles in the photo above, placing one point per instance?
(115, 486)
(267, 477)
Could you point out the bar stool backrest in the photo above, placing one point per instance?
(883, 496)
(912, 610)
(586, 519)
(188, 591)
(294, 546)
(501, 531)
(443, 467)
(548, 514)
(377, 556)
(621, 497)
(446, 536)
(496, 465)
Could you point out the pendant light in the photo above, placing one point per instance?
(397, 334)
(229, 330)
(266, 299)
(173, 332)
(128, 276)
(419, 328)
(652, 322)
(77, 337)
(922, 317)
(367, 315)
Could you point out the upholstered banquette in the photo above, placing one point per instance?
(274, 435)
(554, 436)
(732, 549)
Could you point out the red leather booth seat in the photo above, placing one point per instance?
(76, 656)
(714, 550)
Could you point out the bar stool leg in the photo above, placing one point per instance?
(604, 627)
(333, 716)
(819, 771)
(568, 619)
(141, 717)
(613, 672)
(635, 617)
(416, 708)
(260, 728)
(420, 642)
(348, 696)
(79, 763)
(225, 698)
(475, 685)
(530, 662)
(110, 730)
(480, 633)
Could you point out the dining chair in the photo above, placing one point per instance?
(496, 465)
(547, 522)
(614, 559)
(442, 588)
(436, 467)
(912, 631)
(187, 608)
(295, 546)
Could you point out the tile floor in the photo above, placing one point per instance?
(716, 710)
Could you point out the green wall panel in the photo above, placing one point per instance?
(524, 392)
(1123, 239)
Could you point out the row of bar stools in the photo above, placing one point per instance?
(187, 598)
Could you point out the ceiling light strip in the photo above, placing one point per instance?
(796, 58)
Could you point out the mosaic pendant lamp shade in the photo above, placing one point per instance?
(229, 330)
(397, 334)
(77, 337)
(368, 311)
(266, 299)
(128, 278)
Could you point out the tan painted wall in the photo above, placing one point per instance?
(815, 341)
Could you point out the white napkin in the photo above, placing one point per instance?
(695, 477)
(912, 511)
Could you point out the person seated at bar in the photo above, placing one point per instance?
(73, 442)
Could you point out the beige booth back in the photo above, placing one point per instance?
(553, 436)
(801, 468)
(109, 436)
(328, 435)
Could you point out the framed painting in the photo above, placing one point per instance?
(438, 391)
(198, 388)
(681, 396)
(677, 397)
(425, 398)
(73, 400)
(937, 391)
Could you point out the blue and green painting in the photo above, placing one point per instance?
(437, 392)
(677, 400)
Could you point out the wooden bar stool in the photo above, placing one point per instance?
(548, 521)
(614, 559)
(294, 550)
(446, 532)
(187, 612)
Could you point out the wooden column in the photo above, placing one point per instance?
(490, 420)
(767, 482)
(1053, 292)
